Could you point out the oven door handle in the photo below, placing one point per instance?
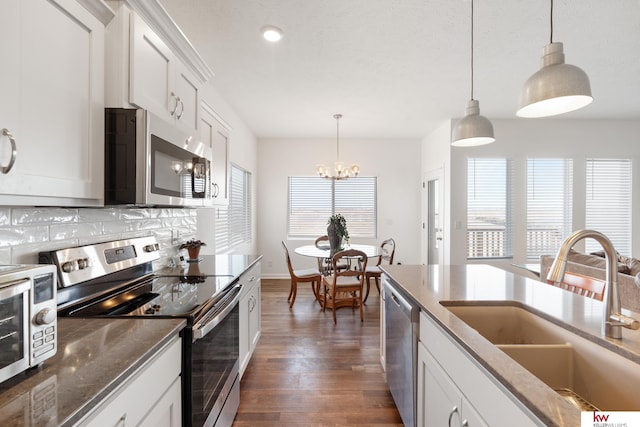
(205, 325)
(11, 289)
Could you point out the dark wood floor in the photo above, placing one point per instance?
(306, 371)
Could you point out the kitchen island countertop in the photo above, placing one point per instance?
(94, 357)
(428, 285)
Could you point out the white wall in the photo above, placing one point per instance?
(396, 163)
(519, 139)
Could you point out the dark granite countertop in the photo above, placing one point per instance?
(428, 285)
(231, 266)
(94, 356)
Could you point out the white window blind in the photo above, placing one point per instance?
(608, 202)
(312, 200)
(549, 205)
(233, 223)
(488, 208)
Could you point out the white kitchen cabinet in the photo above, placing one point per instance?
(250, 314)
(52, 103)
(159, 81)
(215, 133)
(442, 403)
(151, 397)
(449, 377)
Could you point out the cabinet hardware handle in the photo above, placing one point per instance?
(175, 106)
(216, 190)
(123, 420)
(465, 423)
(451, 414)
(181, 109)
(14, 150)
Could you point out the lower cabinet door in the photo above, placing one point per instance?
(167, 412)
(440, 402)
(153, 391)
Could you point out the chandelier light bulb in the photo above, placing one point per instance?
(341, 172)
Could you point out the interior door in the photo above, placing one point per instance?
(434, 225)
(433, 220)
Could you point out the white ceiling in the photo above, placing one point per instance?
(397, 68)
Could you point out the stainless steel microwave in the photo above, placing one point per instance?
(150, 162)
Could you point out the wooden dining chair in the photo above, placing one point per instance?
(324, 264)
(388, 250)
(307, 275)
(343, 288)
(582, 285)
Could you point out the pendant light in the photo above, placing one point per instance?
(340, 170)
(473, 129)
(557, 87)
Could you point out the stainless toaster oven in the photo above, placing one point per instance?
(28, 317)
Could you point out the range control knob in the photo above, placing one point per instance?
(68, 267)
(83, 263)
(45, 317)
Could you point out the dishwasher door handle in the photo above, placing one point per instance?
(399, 301)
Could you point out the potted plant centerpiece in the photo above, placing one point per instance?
(337, 232)
(193, 248)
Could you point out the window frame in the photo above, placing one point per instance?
(237, 231)
(475, 237)
(311, 200)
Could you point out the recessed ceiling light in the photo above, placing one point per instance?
(271, 33)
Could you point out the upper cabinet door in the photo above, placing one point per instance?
(188, 91)
(152, 71)
(159, 81)
(54, 95)
(216, 136)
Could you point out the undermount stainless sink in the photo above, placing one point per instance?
(585, 373)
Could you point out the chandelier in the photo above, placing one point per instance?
(340, 171)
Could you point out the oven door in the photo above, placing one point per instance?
(14, 327)
(212, 385)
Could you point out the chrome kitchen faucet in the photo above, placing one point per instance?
(612, 319)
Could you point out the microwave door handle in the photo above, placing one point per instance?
(11, 289)
(201, 330)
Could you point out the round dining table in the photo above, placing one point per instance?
(371, 251)
(322, 253)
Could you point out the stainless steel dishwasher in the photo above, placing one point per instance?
(401, 351)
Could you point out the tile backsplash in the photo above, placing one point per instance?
(24, 232)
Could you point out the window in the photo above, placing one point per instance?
(549, 205)
(233, 223)
(608, 202)
(488, 208)
(312, 200)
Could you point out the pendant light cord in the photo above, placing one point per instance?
(471, 49)
(337, 116)
(551, 23)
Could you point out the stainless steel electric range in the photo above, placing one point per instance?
(116, 279)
